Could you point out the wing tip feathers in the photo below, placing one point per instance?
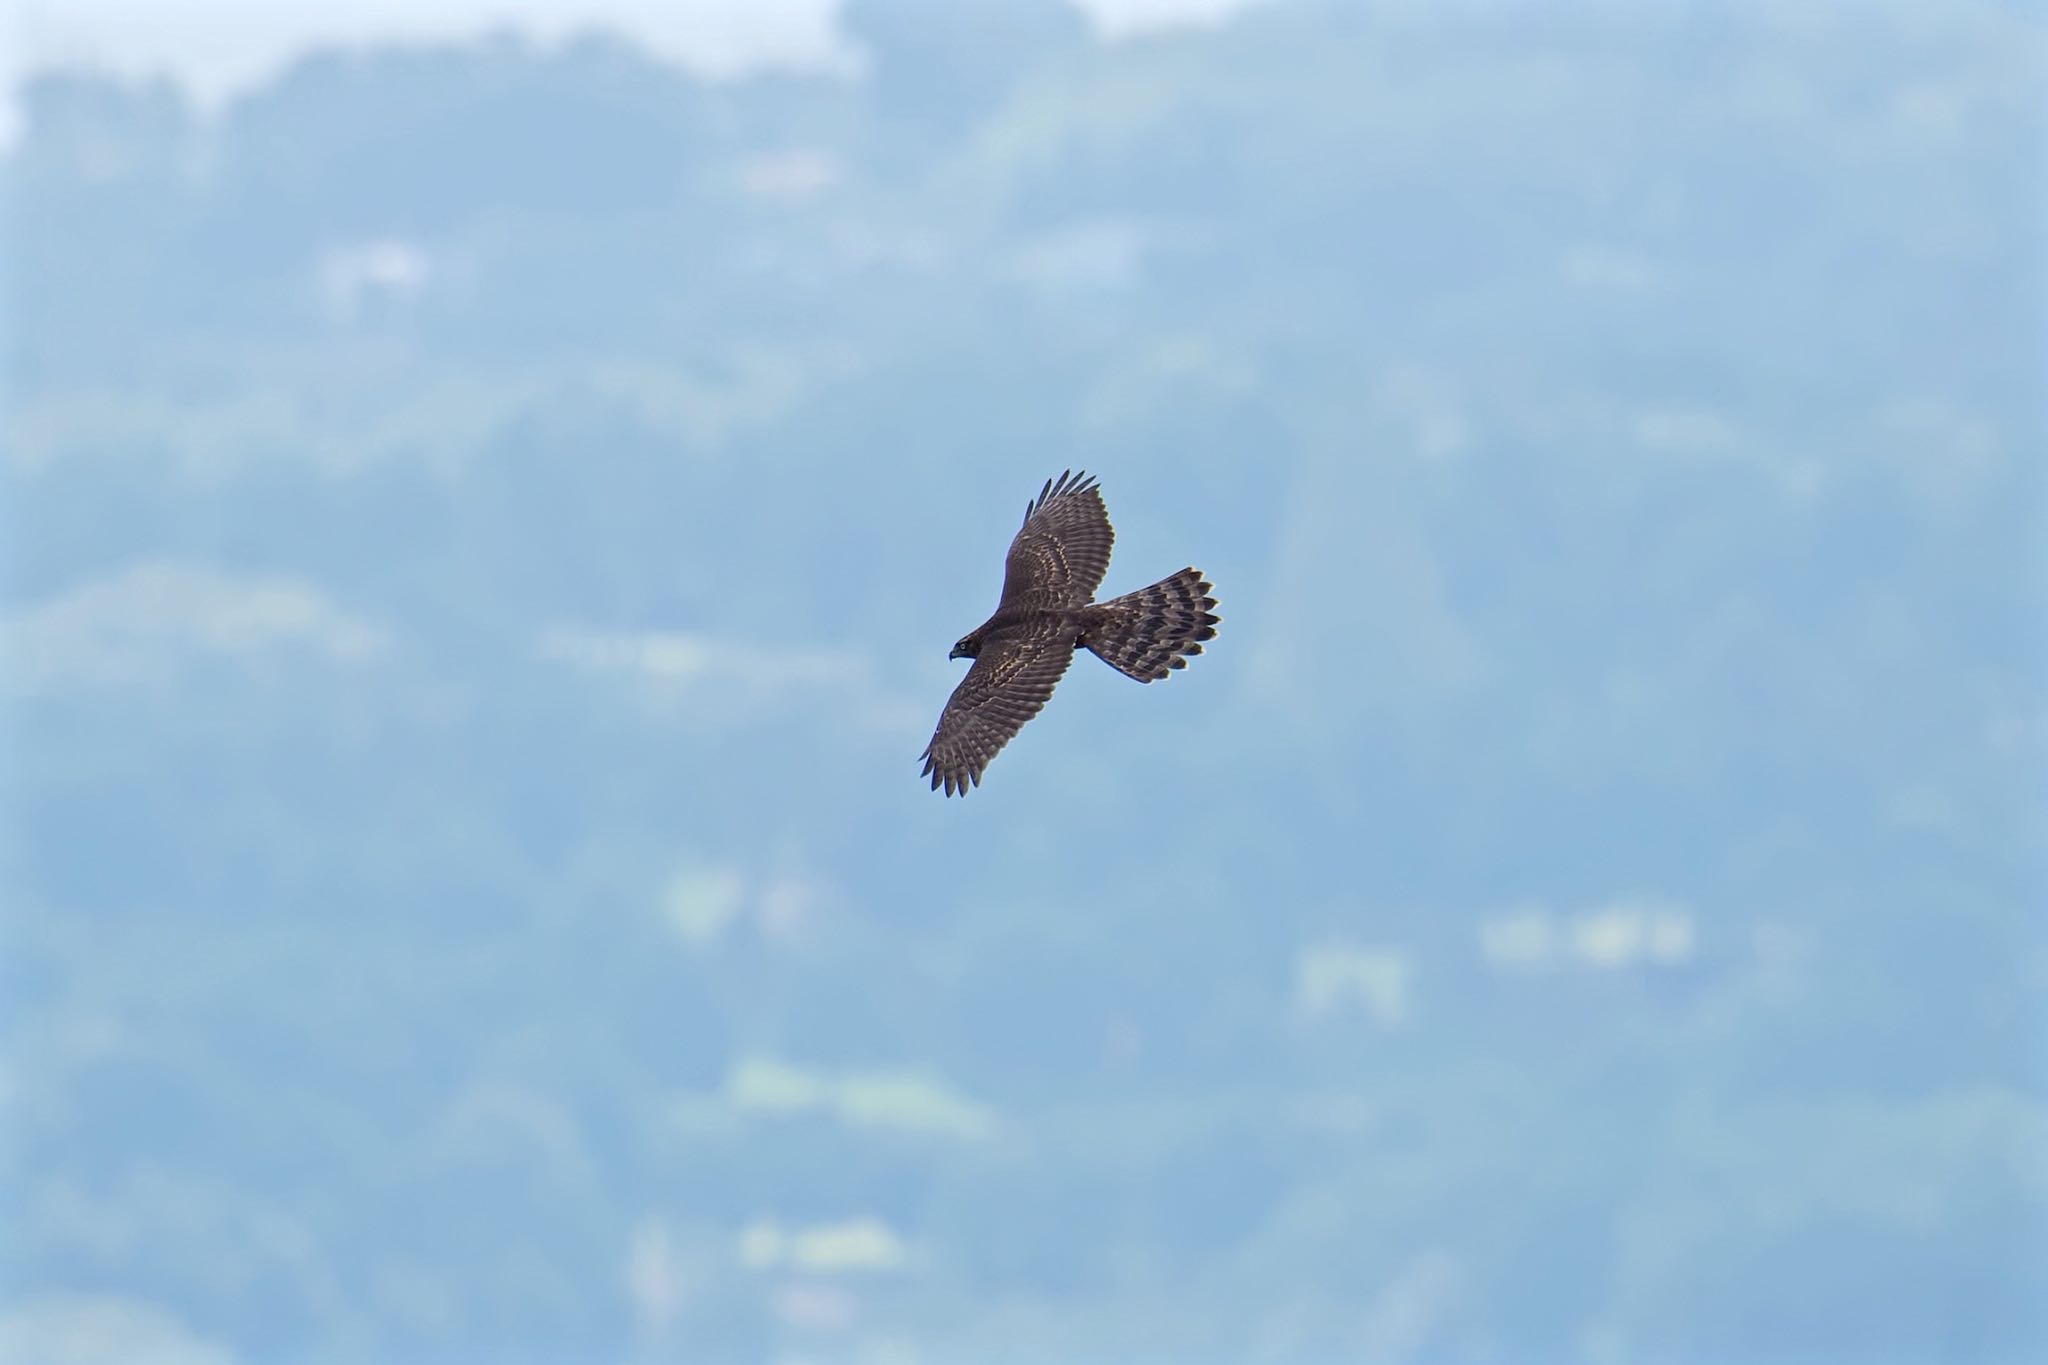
(1070, 483)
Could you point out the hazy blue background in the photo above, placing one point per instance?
(485, 518)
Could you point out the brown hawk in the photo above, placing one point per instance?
(1047, 612)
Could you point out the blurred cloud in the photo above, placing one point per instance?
(704, 902)
(784, 905)
(1414, 1308)
(362, 274)
(815, 1308)
(1785, 953)
(701, 902)
(655, 1277)
(1120, 18)
(911, 1103)
(673, 657)
(1358, 568)
(1427, 404)
(143, 623)
(91, 1329)
(859, 1245)
(1946, 454)
(792, 174)
(1331, 979)
(1095, 255)
(512, 1119)
(1685, 432)
(907, 1102)
(1625, 933)
(1522, 939)
(726, 678)
(221, 48)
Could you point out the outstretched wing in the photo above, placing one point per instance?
(1059, 557)
(1007, 686)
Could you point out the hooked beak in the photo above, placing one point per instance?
(957, 653)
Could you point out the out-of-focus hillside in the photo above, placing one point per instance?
(483, 527)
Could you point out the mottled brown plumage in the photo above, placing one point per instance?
(1047, 612)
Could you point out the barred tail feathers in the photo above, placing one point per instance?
(1148, 633)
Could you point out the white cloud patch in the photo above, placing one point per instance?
(223, 48)
(705, 679)
(1683, 433)
(655, 1280)
(142, 624)
(1428, 405)
(704, 903)
(677, 658)
(898, 1101)
(1621, 934)
(856, 1246)
(1103, 254)
(1523, 940)
(1415, 1308)
(364, 274)
(522, 1122)
(814, 1309)
(1624, 935)
(790, 176)
(785, 904)
(1334, 979)
(95, 1329)
(1132, 18)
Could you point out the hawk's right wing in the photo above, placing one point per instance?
(1062, 551)
(1007, 686)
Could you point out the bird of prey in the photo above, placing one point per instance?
(1047, 612)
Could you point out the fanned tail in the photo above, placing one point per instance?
(1148, 633)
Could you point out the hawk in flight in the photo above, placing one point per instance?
(1047, 612)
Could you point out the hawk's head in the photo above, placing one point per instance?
(969, 648)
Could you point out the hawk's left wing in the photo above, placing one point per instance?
(1007, 686)
(1062, 550)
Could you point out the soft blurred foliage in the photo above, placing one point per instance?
(483, 529)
